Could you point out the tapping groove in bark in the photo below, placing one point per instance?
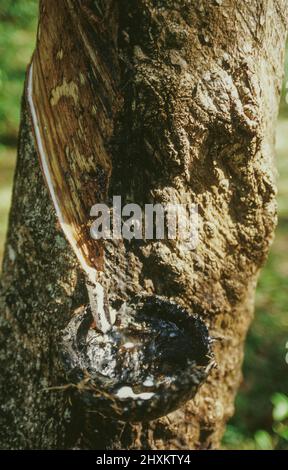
(183, 99)
(75, 162)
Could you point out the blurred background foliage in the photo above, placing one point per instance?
(17, 37)
(261, 418)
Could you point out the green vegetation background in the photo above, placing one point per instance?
(261, 418)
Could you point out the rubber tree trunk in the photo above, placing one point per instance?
(178, 101)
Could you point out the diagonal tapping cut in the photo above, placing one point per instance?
(145, 329)
(72, 152)
(95, 290)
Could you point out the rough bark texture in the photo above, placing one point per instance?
(199, 85)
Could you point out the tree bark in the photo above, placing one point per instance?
(180, 98)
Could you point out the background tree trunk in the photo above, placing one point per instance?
(197, 86)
